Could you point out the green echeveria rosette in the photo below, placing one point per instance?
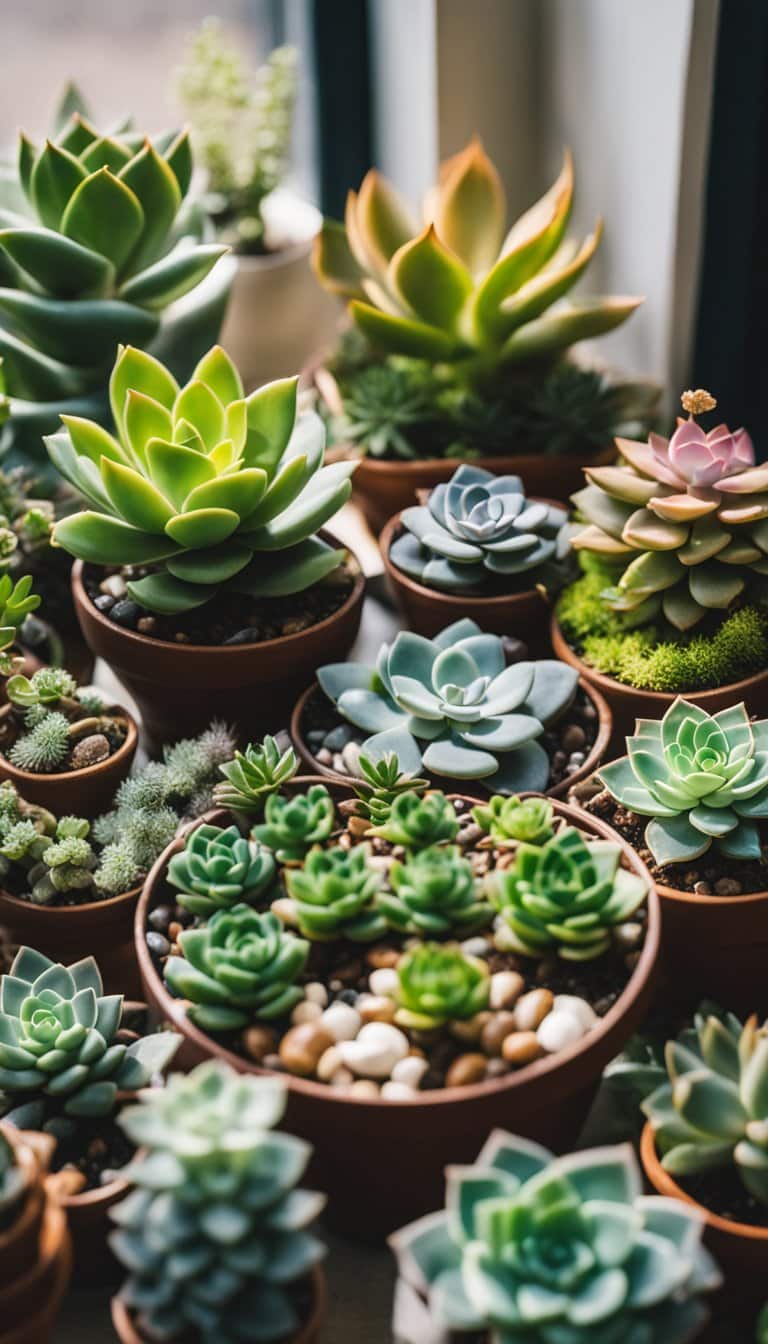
(382, 782)
(434, 894)
(333, 895)
(417, 822)
(239, 967)
(479, 530)
(566, 894)
(702, 778)
(553, 1251)
(292, 826)
(438, 983)
(506, 819)
(253, 775)
(219, 868)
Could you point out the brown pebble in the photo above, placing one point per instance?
(466, 1069)
(520, 1047)
(505, 988)
(532, 1008)
(146, 624)
(376, 1008)
(259, 1041)
(496, 1068)
(174, 929)
(500, 1026)
(702, 889)
(471, 1029)
(727, 886)
(302, 1046)
(89, 751)
(574, 738)
(381, 958)
(358, 826)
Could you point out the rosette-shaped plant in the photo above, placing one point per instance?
(419, 823)
(688, 517)
(434, 894)
(253, 775)
(478, 718)
(212, 487)
(566, 894)
(553, 1250)
(438, 983)
(333, 894)
(702, 778)
(479, 529)
(463, 288)
(504, 819)
(382, 782)
(219, 868)
(292, 826)
(59, 1046)
(238, 967)
(214, 1234)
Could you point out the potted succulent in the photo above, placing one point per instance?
(412, 969)
(671, 600)
(452, 708)
(205, 510)
(241, 123)
(98, 247)
(35, 1248)
(17, 602)
(458, 351)
(214, 1232)
(68, 1059)
(551, 1248)
(477, 547)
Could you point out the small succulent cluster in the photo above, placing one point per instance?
(17, 601)
(65, 861)
(333, 895)
(214, 1233)
(418, 821)
(434, 894)
(218, 868)
(62, 726)
(293, 825)
(701, 778)
(513, 818)
(479, 531)
(253, 775)
(438, 983)
(382, 781)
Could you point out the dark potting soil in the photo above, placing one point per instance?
(722, 1193)
(97, 1147)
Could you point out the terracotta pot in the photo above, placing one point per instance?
(35, 1252)
(309, 1332)
(81, 793)
(382, 1162)
(599, 746)
(66, 933)
(628, 703)
(180, 688)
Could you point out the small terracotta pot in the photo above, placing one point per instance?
(80, 793)
(35, 1253)
(180, 688)
(599, 746)
(19, 1242)
(382, 1162)
(67, 933)
(308, 1333)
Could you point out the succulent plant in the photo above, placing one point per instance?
(479, 529)
(566, 894)
(463, 289)
(419, 822)
(219, 868)
(207, 486)
(46, 686)
(332, 895)
(434, 894)
(253, 775)
(553, 1250)
(17, 601)
(478, 717)
(59, 1046)
(214, 1233)
(293, 825)
(687, 517)
(66, 861)
(45, 747)
(702, 778)
(529, 819)
(382, 782)
(438, 983)
(238, 967)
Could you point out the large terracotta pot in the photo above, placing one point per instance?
(80, 793)
(180, 688)
(382, 1162)
(66, 933)
(35, 1252)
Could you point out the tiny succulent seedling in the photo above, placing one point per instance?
(504, 819)
(419, 822)
(293, 825)
(438, 983)
(435, 894)
(382, 782)
(702, 778)
(253, 775)
(333, 893)
(219, 868)
(17, 601)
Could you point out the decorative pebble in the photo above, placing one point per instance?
(520, 1047)
(104, 602)
(383, 981)
(375, 1051)
(581, 1010)
(574, 738)
(341, 1020)
(376, 1008)
(350, 758)
(558, 1030)
(250, 634)
(329, 1063)
(466, 1069)
(471, 1028)
(702, 889)
(126, 612)
(285, 909)
(157, 944)
(338, 737)
(89, 751)
(475, 947)
(365, 1089)
(410, 1071)
(496, 1031)
(392, 1091)
(114, 585)
(306, 1011)
(324, 756)
(627, 936)
(503, 938)
(302, 1046)
(727, 886)
(316, 993)
(532, 1008)
(379, 957)
(258, 1042)
(343, 1079)
(505, 989)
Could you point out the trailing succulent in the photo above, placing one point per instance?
(417, 822)
(214, 1232)
(439, 983)
(253, 775)
(434, 894)
(553, 1250)
(479, 530)
(701, 778)
(565, 894)
(477, 717)
(333, 895)
(292, 826)
(529, 819)
(381, 783)
(210, 488)
(219, 868)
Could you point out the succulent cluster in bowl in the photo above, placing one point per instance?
(58, 725)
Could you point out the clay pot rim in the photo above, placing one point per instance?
(559, 791)
(69, 911)
(320, 1092)
(665, 1184)
(127, 748)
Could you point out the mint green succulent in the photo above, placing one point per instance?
(238, 968)
(383, 781)
(438, 983)
(536, 1249)
(214, 1232)
(528, 819)
(702, 778)
(435, 894)
(333, 895)
(418, 822)
(253, 775)
(66, 861)
(219, 868)
(565, 895)
(292, 826)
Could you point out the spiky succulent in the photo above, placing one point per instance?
(219, 868)
(59, 1045)
(214, 1233)
(553, 1250)
(253, 775)
(688, 518)
(44, 747)
(514, 818)
(17, 601)
(292, 826)
(463, 290)
(434, 894)
(238, 967)
(478, 718)
(207, 486)
(438, 983)
(332, 895)
(419, 822)
(566, 894)
(702, 778)
(382, 782)
(479, 530)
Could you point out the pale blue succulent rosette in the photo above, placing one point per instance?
(539, 1250)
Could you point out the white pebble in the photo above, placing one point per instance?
(306, 1011)
(475, 947)
(559, 1030)
(375, 1051)
(393, 1091)
(316, 992)
(579, 1008)
(410, 1071)
(341, 1020)
(115, 585)
(384, 981)
(329, 1063)
(505, 989)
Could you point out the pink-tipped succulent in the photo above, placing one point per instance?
(690, 517)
